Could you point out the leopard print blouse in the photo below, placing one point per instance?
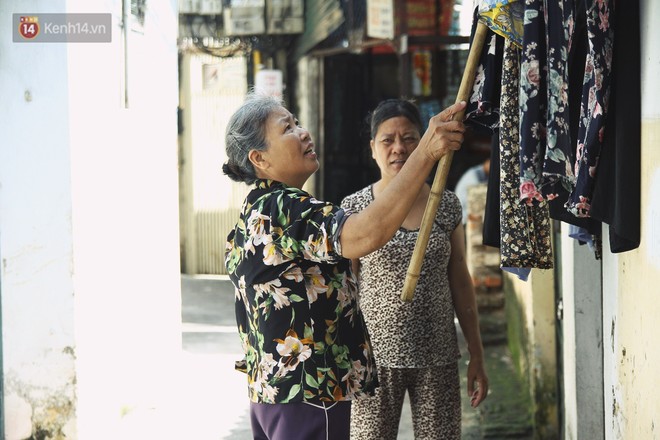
(420, 333)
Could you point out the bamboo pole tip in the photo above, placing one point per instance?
(409, 286)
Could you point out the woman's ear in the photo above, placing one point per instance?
(258, 159)
(373, 152)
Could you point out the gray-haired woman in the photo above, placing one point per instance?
(307, 350)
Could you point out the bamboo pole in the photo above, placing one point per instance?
(440, 178)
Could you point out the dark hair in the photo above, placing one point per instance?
(392, 108)
(246, 130)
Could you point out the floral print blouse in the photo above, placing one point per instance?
(302, 332)
(549, 161)
(553, 161)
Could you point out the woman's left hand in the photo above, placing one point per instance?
(443, 133)
(477, 382)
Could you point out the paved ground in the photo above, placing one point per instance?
(219, 407)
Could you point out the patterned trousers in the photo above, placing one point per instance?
(435, 402)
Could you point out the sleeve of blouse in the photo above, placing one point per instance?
(347, 203)
(341, 217)
(449, 214)
(455, 209)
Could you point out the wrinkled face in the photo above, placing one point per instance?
(290, 157)
(396, 138)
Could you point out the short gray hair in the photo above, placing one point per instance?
(246, 131)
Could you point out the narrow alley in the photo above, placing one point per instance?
(219, 405)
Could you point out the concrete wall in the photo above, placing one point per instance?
(631, 280)
(88, 228)
(582, 341)
(36, 238)
(530, 311)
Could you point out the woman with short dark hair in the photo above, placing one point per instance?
(415, 344)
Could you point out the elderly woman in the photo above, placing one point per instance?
(307, 351)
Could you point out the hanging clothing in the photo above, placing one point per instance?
(616, 196)
(491, 228)
(504, 17)
(595, 100)
(546, 161)
(577, 153)
(482, 112)
(576, 62)
(483, 104)
(525, 229)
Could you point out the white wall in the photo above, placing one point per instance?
(612, 392)
(35, 233)
(582, 341)
(88, 229)
(631, 279)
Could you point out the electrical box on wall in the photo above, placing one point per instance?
(200, 7)
(285, 16)
(245, 17)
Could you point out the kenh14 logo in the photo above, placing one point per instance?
(28, 27)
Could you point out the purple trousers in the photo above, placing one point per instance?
(301, 421)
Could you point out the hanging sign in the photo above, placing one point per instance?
(380, 19)
(269, 82)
